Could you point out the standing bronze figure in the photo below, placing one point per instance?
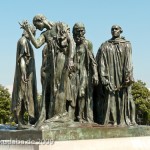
(24, 95)
(58, 62)
(116, 76)
(86, 74)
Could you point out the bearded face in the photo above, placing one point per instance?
(79, 35)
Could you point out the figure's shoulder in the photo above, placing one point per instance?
(128, 45)
(48, 34)
(89, 44)
(105, 44)
(103, 47)
(22, 40)
(126, 42)
(88, 41)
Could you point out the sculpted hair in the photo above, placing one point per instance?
(38, 18)
(41, 18)
(117, 26)
(78, 25)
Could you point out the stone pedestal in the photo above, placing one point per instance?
(77, 136)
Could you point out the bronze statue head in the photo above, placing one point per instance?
(78, 32)
(32, 28)
(116, 30)
(41, 22)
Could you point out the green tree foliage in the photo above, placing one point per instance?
(4, 105)
(141, 96)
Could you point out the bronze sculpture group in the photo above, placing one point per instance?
(75, 84)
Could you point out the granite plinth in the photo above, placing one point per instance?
(75, 132)
(21, 135)
(84, 132)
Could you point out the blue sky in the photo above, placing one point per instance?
(97, 15)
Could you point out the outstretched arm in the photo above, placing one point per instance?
(36, 42)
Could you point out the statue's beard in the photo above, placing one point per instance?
(79, 39)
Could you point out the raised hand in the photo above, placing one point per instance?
(24, 25)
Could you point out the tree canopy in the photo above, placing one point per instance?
(4, 104)
(141, 96)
